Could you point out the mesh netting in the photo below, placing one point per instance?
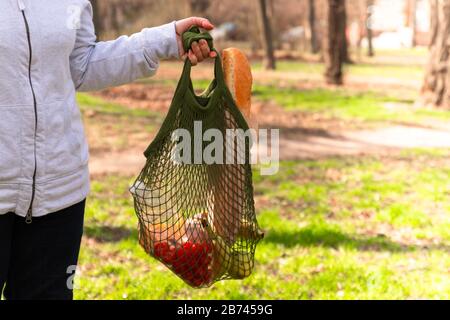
(198, 218)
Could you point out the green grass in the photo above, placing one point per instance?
(99, 105)
(360, 69)
(408, 52)
(391, 64)
(339, 103)
(340, 228)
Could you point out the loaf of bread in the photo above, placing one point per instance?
(239, 79)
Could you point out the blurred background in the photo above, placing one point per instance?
(360, 208)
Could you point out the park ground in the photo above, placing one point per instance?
(360, 208)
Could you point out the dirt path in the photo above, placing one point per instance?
(302, 135)
(296, 144)
(380, 141)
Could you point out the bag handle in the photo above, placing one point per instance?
(188, 37)
(194, 34)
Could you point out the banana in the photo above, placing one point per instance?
(242, 264)
(222, 251)
(238, 264)
(248, 230)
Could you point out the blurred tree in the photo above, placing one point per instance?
(334, 41)
(312, 26)
(111, 16)
(344, 47)
(436, 90)
(274, 24)
(369, 30)
(412, 20)
(196, 7)
(269, 56)
(187, 7)
(97, 22)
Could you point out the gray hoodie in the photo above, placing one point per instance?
(48, 51)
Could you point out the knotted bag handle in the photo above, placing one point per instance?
(184, 88)
(195, 34)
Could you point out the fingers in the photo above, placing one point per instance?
(204, 48)
(196, 50)
(193, 58)
(200, 51)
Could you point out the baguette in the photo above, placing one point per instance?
(239, 79)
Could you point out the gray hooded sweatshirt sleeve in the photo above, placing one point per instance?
(97, 65)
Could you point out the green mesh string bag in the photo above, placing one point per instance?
(194, 197)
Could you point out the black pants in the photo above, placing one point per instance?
(38, 260)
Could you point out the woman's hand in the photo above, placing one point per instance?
(199, 50)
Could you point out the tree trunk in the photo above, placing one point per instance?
(97, 21)
(269, 56)
(334, 41)
(369, 27)
(312, 26)
(413, 22)
(344, 48)
(188, 8)
(435, 90)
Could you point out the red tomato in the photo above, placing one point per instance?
(181, 254)
(206, 276)
(204, 246)
(189, 276)
(207, 246)
(191, 261)
(187, 246)
(160, 249)
(182, 258)
(180, 269)
(197, 282)
(169, 255)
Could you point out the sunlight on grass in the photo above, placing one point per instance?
(336, 228)
(367, 106)
(92, 103)
(342, 228)
(360, 69)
